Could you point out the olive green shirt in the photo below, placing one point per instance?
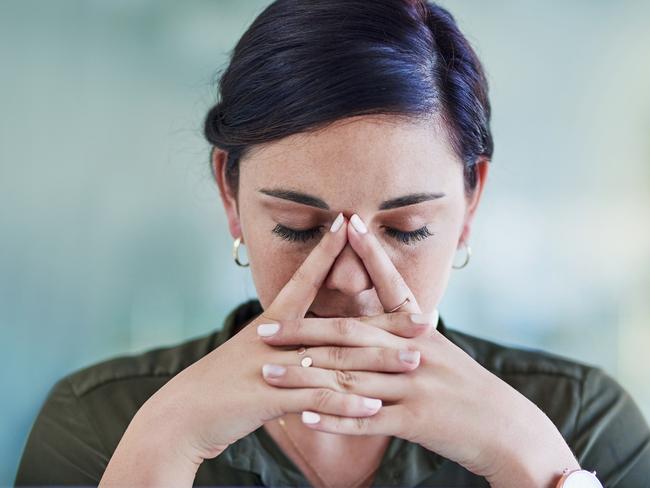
(87, 411)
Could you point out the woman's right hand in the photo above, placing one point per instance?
(222, 397)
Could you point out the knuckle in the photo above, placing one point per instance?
(361, 424)
(396, 280)
(346, 380)
(350, 406)
(300, 277)
(337, 355)
(383, 358)
(344, 326)
(322, 398)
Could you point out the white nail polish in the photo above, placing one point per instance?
(266, 330)
(358, 224)
(410, 357)
(338, 222)
(425, 318)
(372, 403)
(310, 417)
(273, 370)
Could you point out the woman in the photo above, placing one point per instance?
(351, 146)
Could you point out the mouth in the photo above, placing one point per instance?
(311, 314)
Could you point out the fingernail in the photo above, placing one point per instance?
(425, 318)
(273, 370)
(338, 222)
(410, 357)
(310, 417)
(358, 224)
(266, 330)
(372, 403)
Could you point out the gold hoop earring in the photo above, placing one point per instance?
(467, 256)
(235, 253)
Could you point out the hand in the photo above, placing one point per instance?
(222, 397)
(449, 403)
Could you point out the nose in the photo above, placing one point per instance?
(348, 274)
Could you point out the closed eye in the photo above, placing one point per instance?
(404, 237)
(289, 234)
(407, 237)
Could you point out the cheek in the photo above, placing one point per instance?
(420, 268)
(273, 262)
(426, 270)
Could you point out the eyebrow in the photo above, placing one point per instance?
(313, 201)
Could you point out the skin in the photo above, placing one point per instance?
(354, 165)
(441, 399)
(382, 158)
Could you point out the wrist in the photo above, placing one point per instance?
(536, 473)
(149, 454)
(537, 458)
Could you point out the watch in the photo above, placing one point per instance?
(578, 478)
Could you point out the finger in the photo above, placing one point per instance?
(335, 331)
(391, 287)
(404, 324)
(385, 386)
(378, 359)
(388, 421)
(328, 401)
(299, 292)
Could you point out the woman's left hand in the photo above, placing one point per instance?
(445, 400)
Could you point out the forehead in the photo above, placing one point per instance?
(356, 160)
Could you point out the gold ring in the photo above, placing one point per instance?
(406, 300)
(306, 361)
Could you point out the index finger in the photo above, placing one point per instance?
(391, 288)
(295, 298)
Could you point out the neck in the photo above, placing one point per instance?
(328, 459)
(325, 444)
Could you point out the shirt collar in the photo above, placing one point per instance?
(404, 463)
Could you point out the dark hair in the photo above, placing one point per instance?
(303, 64)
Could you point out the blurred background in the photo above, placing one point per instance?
(113, 239)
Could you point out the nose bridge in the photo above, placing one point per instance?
(348, 273)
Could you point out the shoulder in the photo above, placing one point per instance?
(596, 415)
(86, 412)
(555, 383)
(160, 362)
(510, 360)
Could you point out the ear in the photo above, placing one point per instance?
(218, 161)
(474, 199)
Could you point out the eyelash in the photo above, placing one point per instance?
(304, 235)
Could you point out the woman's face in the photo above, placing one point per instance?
(397, 176)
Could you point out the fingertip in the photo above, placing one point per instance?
(358, 225)
(338, 233)
(268, 330)
(310, 418)
(338, 223)
(410, 358)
